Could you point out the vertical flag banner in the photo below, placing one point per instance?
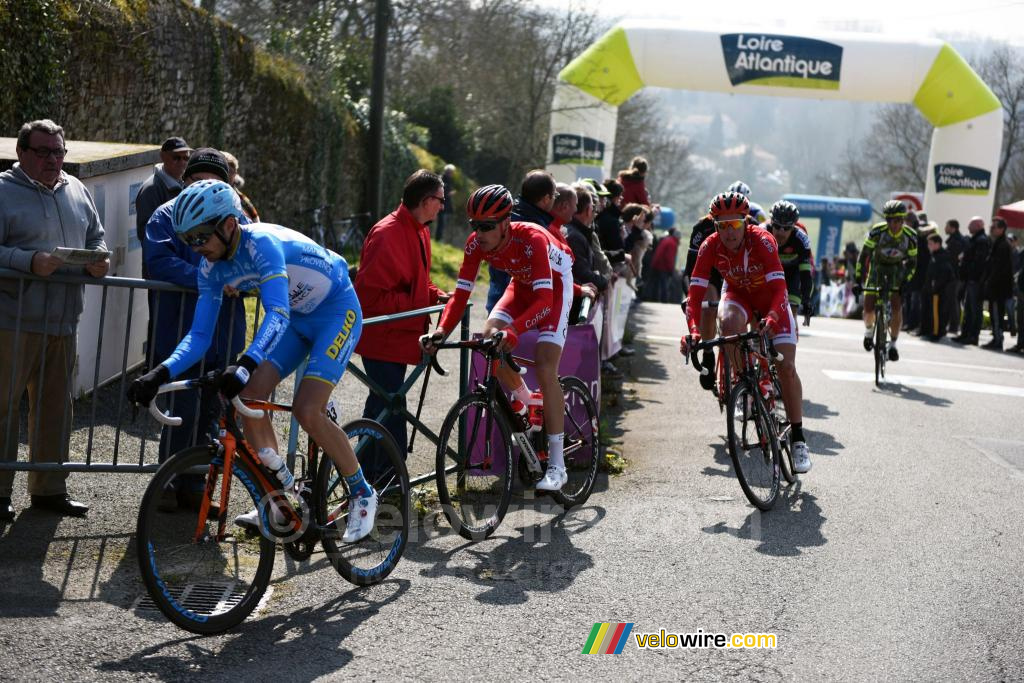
(607, 638)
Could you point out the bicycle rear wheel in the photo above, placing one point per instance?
(370, 560)
(474, 467)
(880, 343)
(203, 581)
(778, 410)
(582, 443)
(753, 445)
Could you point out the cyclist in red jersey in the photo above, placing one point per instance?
(754, 282)
(539, 297)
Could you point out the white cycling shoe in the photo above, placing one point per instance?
(554, 479)
(801, 458)
(362, 512)
(250, 521)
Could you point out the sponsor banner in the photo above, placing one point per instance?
(576, 149)
(783, 61)
(616, 312)
(961, 179)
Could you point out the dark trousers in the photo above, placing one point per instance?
(200, 416)
(1019, 315)
(912, 309)
(972, 310)
(389, 376)
(953, 311)
(934, 311)
(997, 311)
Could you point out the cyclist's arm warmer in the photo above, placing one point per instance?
(192, 348)
(698, 286)
(453, 310)
(274, 297)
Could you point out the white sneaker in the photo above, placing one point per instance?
(361, 514)
(554, 479)
(801, 457)
(250, 521)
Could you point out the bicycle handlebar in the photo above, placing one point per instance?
(173, 421)
(488, 347)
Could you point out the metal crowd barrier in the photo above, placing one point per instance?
(109, 435)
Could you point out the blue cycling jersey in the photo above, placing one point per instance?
(293, 273)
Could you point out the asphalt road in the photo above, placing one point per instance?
(898, 556)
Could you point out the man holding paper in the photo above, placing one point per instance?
(41, 208)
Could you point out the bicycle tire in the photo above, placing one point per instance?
(880, 342)
(785, 444)
(200, 586)
(582, 445)
(370, 560)
(759, 474)
(474, 512)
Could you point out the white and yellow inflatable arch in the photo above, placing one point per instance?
(967, 116)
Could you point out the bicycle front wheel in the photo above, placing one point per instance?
(203, 578)
(778, 410)
(582, 444)
(474, 467)
(370, 560)
(753, 445)
(880, 343)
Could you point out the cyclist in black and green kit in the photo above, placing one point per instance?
(890, 253)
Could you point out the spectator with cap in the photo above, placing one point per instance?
(956, 244)
(42, 208)
(165, 183)
(533, 205)
(972, 269)
(609, 226)
(236, 181)
(578, 233)
(997, 281)
(167, 258)
(394, 277)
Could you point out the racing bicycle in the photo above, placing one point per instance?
(207, 574)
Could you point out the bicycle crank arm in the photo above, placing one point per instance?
(526, 450)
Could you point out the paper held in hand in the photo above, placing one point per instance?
(79, 257)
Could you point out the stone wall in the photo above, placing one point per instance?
(140, 70)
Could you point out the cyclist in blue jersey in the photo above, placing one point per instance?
(311, 310)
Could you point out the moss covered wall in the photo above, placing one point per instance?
(140, 70)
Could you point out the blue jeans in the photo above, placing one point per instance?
(390, 376)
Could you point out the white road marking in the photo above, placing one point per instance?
(905, 359)
(930, 382)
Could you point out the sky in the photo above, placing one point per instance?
(949, 19)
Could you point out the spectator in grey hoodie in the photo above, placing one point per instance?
(41, 208)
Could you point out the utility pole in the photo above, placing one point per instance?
(376, 152)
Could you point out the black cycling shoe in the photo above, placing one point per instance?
(894, 355)
(869, 343)
(707, 361)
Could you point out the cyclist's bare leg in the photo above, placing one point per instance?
(732, 320)
(260, 433)
(897, 316)
(709, 316)
(869, 310)
(309, 410)
(789, 380)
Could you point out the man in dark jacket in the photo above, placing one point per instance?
(972, 267)
(912, 294)
(164, 185)
(533, 205)
(997, 282)
(578, 234)
(956, 244)
(935, 308)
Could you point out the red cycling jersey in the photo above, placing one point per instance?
(531, 256)
(752, 274)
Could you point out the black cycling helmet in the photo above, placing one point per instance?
(785, 213)
(894, 208)
(491, 203)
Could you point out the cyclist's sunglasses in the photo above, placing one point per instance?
(783, 226)
(484, 226)
(736, 224)
(199, 235)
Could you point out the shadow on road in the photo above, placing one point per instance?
(533, 558)
(24, 546)
(793, 524)
(911, 394)
(283, 635)
(818, 411)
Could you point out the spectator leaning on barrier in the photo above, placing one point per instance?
(562, 210)
(972, 268)
(997, 281)
(393, 277)
(168, 259)
(609, 226)
(934, 306)
(236, 181)
(41, 208)
(165, 183)
(533, 205)
(956, 243)
(578, 233)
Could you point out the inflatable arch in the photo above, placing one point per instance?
(967, 116)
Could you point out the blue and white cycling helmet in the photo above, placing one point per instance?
(206, 202)
(741, 187)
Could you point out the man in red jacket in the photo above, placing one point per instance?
(664, 263)
(394, 276)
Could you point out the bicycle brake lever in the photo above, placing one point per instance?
(437, 366)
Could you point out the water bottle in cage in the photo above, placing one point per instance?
(536, 411)
(275, 463)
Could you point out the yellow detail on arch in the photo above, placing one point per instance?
(952, 92)
(606, 69)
